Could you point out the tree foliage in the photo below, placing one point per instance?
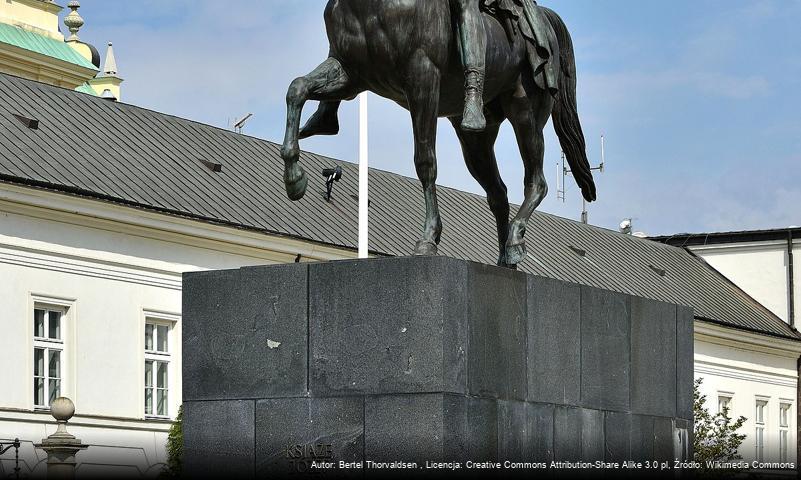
(715, 437)
(175, 447)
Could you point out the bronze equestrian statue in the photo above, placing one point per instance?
(422, 55)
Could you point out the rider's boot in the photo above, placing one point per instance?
(473, 117)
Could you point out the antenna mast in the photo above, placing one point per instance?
(241, 123)
(560, 193)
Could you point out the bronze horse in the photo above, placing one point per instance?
(407, 51)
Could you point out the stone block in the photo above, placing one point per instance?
(219, 439)
(567, 434)
(663, 440)
(685, 362)
(470, 428)
(605, 349)
(542, 440)
(388, 326)
(653, 357)
(497, 333)
(291, 433)
(617, 438)
(592, 434)
(642, 438)
(525, 431)
(554, 343)
(244, 333)
(430, 427)
(514, 430)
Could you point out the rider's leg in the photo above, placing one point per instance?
(473, 41)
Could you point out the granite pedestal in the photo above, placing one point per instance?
(425, 359)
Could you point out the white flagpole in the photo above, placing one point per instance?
(363, 176)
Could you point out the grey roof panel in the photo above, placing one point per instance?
(137, 157)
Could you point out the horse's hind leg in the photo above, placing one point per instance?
(422, 95)
(528, 109)
(329, 81)
(479, 155)
(324, 121)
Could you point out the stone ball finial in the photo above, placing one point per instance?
(73, 20)
(62, 409)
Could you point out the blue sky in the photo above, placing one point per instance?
(699, 100)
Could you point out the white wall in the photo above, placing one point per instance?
(758, 268)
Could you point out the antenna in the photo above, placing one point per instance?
(560, 193)
(241, 123)
(561, 171)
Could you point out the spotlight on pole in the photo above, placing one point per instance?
(331, 175)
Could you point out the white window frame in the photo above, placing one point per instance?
(785, 406)
(67, 309)
(727, 395)
(156, 318)
(761, 427)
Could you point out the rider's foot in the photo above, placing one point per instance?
(473, 117)
(323, 122)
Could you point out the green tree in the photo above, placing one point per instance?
(175, 447)
(715, 437)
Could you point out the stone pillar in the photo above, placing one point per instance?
(61, 447)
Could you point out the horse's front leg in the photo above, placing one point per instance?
(422, 94)
(328, 81)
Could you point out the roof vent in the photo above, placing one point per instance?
(578, 251)
(107, 95)
(214, 167)
(31, 123)
(659, 271)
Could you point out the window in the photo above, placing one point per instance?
(724, 402)
(48, 353)
(784, 430)
(784, 415)
(157, 364)
(759, 419)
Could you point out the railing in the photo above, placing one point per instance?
(15, 445)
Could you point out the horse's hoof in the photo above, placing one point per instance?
(515, 253)
(297, 189)
(425, 247)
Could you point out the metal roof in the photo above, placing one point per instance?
(19, 37)
(128, 155)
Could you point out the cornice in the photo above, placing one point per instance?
(735, 338)
(133, 221)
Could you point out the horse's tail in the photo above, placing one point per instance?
(565, 111)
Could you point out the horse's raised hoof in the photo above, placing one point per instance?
(296, 188)
(425, 248)
(515, 253)
(320, 124)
